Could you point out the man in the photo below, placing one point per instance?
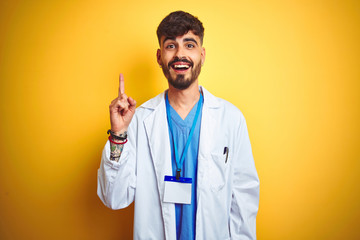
(183, 156)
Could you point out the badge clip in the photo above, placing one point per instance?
(178, 174)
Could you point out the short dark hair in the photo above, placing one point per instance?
(179, 23)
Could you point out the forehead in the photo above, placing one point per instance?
(183, 38)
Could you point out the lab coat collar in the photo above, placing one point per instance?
(210, 100)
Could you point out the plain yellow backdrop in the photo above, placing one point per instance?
(292, 67)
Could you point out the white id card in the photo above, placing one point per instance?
(177, 191)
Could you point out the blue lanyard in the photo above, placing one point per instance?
(180, 163)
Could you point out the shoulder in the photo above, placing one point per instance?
(224, 107)
(230, 108)
(149, 106)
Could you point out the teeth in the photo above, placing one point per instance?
(181, 66)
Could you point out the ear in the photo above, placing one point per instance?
(158, 56)
(203, 53)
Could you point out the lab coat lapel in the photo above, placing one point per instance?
(209, 122)
(158, 137)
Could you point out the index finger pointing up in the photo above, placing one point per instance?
(121, 85)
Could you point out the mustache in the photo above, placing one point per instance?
(177, 59)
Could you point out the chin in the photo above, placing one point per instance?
(180, 82)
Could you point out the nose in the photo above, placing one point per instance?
(180, 53)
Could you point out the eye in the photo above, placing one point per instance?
(190, 45)
(170, 46)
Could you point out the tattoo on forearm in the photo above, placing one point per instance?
(115, 151)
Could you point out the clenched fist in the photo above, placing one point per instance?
(122, 109)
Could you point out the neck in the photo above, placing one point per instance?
(184, 100)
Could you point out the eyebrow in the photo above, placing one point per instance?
(168, 38)
(190, 40)
(185, 40)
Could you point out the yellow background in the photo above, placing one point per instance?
(292, 67)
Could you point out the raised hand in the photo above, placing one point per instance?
(122, 109)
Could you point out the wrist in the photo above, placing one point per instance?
(117, 141)
(118, 132)
(119, 136)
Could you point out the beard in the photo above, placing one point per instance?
(180, 82)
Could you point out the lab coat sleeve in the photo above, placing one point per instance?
(117, 180)
(245, 192)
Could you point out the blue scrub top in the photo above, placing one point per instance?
(186, 213)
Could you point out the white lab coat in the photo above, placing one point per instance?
(227, 193)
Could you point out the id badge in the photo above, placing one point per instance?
(177, 191)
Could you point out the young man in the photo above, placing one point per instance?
(183, 156)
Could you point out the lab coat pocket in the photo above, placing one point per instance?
(217, 172)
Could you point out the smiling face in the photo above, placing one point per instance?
(181, 59)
